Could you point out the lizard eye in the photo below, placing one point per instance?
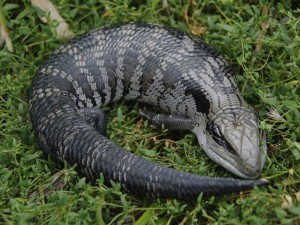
(214, 131)
(217, 136)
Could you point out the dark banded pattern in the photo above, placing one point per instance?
(159, 66)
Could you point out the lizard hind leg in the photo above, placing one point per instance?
(96, 118)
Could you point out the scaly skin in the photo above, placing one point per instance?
(158, 66)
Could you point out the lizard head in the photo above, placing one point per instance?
(232, 139)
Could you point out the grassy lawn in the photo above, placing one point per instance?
(261, 40)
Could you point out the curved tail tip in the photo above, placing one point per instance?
(262, 182)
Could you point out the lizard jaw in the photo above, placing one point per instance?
(233, 141)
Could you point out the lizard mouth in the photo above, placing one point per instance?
(233, 140)
(234, 163)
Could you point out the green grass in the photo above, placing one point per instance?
(36, 190)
